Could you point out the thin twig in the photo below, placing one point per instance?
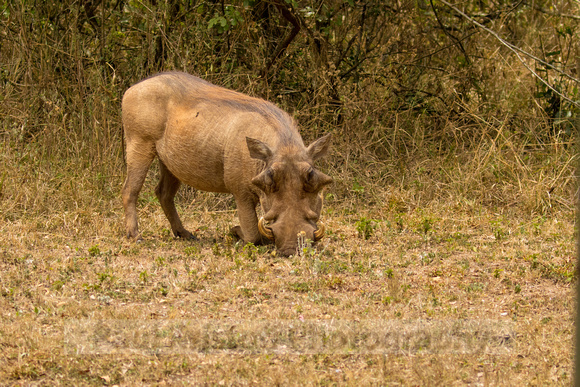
(516, 50)
(453, 37)
(568, 16)
(283, 45)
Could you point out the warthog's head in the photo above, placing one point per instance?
(290, 192)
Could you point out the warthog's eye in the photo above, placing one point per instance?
(315, 180)
(308, 178)
(265, 181)
(271, 182)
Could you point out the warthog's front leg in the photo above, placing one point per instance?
(248, 228)
(165, 192)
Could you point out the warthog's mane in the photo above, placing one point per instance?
(203, 91)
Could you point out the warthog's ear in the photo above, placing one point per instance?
(319, 147)
(258, 150)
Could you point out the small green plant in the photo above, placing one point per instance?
(57, 285)
(475, 287)
(537, 225)
(546, 320)
(400, 222)
(191, 250)
(7, 292)
(335, 282)
(247, 292)
(498, 231)
(144, 276)
(358, 267)
(162, 288)
(2, 181)
(216, 249)
(301, 287)
(329, 197)
(366, 227)
(194, 284)
(534, 263)
(251, 251)
(320, 267)
(104, 277)
(426, 225)
(427, 258)
(94, 251)
(357, 188)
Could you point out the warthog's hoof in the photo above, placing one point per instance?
(184, 234)
(134, 237)
(236, 232)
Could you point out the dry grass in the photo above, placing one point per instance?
(429, 249)
(450, 223)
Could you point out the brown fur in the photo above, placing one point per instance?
(218, 140)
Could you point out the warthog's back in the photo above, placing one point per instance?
(175, 90)
(198, 127)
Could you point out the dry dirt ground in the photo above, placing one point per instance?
(447, 294)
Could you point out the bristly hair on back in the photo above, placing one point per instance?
(186, 83)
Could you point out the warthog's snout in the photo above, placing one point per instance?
(266, 230)
(287, 241)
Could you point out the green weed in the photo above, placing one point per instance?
(366, 227)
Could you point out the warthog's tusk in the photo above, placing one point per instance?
(264, 229)
(319, 232)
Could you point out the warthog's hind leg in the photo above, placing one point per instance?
(165, 191)
(139, 158)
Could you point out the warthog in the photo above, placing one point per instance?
(218, 140)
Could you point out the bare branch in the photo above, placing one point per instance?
(283, 45)
(516, 50)
(542, 10)
(453, 37)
